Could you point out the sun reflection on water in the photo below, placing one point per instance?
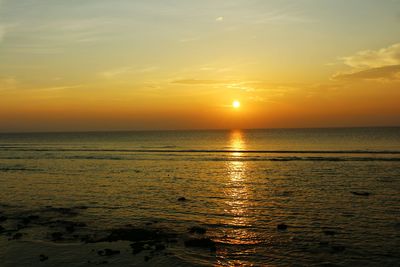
(237, 192)
(238, 200)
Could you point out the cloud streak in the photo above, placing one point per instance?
(2, 27)
(118, 72)
(382, 64)
(8, 83)
(2, 33)
(374, 58)
(381, 73)
(198, 82)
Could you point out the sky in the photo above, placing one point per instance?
(177, 64)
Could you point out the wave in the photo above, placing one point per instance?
(56, 149)
(182, 157)
(13, 168)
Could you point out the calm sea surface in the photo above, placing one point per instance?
(239, 185)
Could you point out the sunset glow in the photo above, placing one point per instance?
(199, 133)
(172, 65)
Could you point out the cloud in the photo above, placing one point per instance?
(284, 16)
(8, 83)
(55, 36)
(380, 65)
(189, 39)
(127, 70)
(374, 58)
(59, 88)
(3, 27)
(197, 82)
(2, 32)
(381, 73)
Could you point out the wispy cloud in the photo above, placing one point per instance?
(2, 26)
(197, 82)
(2, 32)
(8, 83)
(281, 16)
(382, 64)
(189, 39)
(54, 37)
(374, 58)
(59, 88)
(117, 72)
(381, 73)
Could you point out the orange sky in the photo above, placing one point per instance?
(69, 66)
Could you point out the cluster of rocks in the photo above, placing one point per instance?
(14, 224)
(150, 240)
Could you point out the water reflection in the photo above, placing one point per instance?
(237, 192)
(237, 143)
(238, 204)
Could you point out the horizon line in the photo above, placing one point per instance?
(189, 130)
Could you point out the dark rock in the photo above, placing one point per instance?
(43, 257)
(57, 236)
(69, 225)
(329, 232)
(3, 218)
(160, 246)
(282, 226)
(2, 229)
(338, 248)
(147, 258)
(80, 224)
(81, 207)
(182, 199)
(17, 236)
(201, 243)
(21, 226)
(75, 224)
(108, 252)
(27, 220)
(137, 247)
(64, 211)
(133, 234)
(323, 243)
(364, 194)
(197, 230)
(69, 228)
(97, 263)
(87, 239)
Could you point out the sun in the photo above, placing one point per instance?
(236, 104)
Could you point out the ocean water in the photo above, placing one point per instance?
(337, 190)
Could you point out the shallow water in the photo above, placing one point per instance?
(239, 185)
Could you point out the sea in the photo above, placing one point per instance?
(265, 197)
